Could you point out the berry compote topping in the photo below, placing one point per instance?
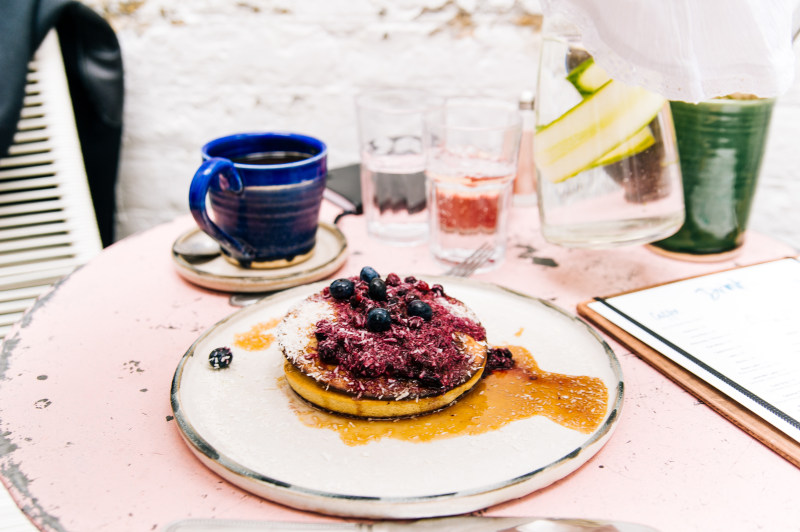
(499, 358)
(404, 330)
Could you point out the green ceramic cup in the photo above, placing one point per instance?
(721, 145)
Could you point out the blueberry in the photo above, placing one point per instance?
(368, 273)
(220, 357)
(377, 289)
(342, 288)
(421, 309)
(379, 320)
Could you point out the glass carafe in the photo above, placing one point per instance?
(605, 152)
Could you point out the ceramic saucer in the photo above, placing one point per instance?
(328, 255)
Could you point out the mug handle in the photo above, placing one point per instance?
(229, 179)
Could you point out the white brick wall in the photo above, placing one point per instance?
(199, 69)
(776, 210)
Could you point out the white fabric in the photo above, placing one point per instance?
(689, 50)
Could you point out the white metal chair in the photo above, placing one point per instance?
(47, 221)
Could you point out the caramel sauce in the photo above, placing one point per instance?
(258, 337)
(576, 402)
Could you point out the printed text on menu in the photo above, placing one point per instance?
(739, 330)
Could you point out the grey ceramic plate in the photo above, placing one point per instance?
(328, 255)
(242, 422)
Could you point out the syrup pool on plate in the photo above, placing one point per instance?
(577, 402)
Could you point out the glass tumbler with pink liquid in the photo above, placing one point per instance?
(471, 152)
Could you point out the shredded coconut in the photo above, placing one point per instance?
(298, 326)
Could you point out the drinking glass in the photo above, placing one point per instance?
(605, 153)
(472, 152)
(390, 124)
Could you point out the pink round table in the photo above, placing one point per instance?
(88, 442)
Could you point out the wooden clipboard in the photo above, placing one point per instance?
(740, 416)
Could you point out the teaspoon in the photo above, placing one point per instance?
(196, 248)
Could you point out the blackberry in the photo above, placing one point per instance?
(342, 288)
(377, 289)
(379, 320)
(368, 273)
(419, 308)
(499, 358)
(220, 357)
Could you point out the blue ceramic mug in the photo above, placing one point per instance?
(264, 192)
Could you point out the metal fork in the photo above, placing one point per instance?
(471, 264)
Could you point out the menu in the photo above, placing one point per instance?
(737, 331)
